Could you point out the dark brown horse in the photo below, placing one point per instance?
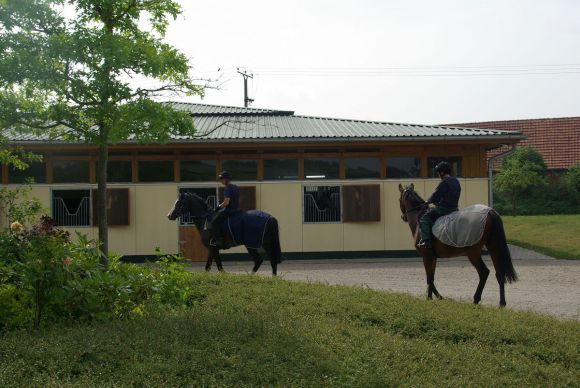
(413, 207)
(199, 210)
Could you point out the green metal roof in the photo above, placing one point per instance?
(230, 124)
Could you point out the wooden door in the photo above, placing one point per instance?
(190, 245)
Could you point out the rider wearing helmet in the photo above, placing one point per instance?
(229, 206)
(442, 202)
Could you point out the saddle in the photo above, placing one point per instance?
(462, 228)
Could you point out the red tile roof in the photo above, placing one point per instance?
(557, 139)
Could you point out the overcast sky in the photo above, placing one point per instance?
(424, 61)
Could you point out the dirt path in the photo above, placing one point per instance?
(546, 285)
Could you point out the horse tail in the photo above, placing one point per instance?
(273, 242)
(497, 237)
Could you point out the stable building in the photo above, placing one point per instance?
(331, 183)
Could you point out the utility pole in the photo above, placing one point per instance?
(247, 100)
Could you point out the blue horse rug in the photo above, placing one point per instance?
(247, 228)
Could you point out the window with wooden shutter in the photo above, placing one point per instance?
(117, 207)
(361, 203)
(247, 197)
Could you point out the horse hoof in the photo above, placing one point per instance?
(440, 297)
(502, 305)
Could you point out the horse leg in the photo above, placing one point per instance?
(214, 254)
(218, 261)
(499, 275)
(483, 273)
(208, 262)
(430, 262)
(257, 259)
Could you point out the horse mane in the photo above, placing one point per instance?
(198, 198)
(414, 196)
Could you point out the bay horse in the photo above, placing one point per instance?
(413, 207)
(199, 210)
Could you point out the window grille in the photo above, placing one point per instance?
(321, 204)
(207, 193)
(71, 207)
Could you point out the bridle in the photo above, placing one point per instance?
(406, 212)
(193, 197)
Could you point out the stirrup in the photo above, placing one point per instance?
(424, 244)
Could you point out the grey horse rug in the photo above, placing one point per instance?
(462, 228)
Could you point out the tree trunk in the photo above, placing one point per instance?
(102, 202)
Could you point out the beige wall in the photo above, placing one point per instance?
(150, 228)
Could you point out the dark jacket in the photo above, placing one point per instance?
(447, 193)
(233, 193)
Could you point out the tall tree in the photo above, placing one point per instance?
(67, 69)
(520, 172)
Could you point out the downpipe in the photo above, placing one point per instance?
(490, 172)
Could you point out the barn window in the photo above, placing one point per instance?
(241, 170)
(198, 170)
(71, 207)
(321, 168)
(156, 171)
(119, 171)
(455, 162)
(361, 203)
(209, 194)
(361, 168)
(321, 204)
(280, 169)
(36, 172)
(117, 207)
(403, 167)
(70, 171)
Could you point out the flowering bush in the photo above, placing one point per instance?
(46, 276)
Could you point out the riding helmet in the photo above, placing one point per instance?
(225, 175)
(443, 167)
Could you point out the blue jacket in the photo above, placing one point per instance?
(447, 193)
(233, 193)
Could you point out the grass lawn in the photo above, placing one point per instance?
(252, 331)
(557, 236)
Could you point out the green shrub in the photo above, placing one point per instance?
(46, 276)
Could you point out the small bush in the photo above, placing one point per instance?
(46, 276)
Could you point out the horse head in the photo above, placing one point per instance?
(409, 200)
(188, 203)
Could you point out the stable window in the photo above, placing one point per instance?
(285, 169)
(241, 170)
(198, 170)
(71, 207)
(119, 171)
(70, 171)
(117, 207)
(455, 162)
(321, 168)
(156, 171)
(35, 173)
(321, 204)
(361, 203)
(209, 194)
(403, 167)
(363, 168)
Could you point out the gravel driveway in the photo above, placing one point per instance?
(545, 285)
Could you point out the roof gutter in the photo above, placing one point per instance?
(490, 171)
(515, 137)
